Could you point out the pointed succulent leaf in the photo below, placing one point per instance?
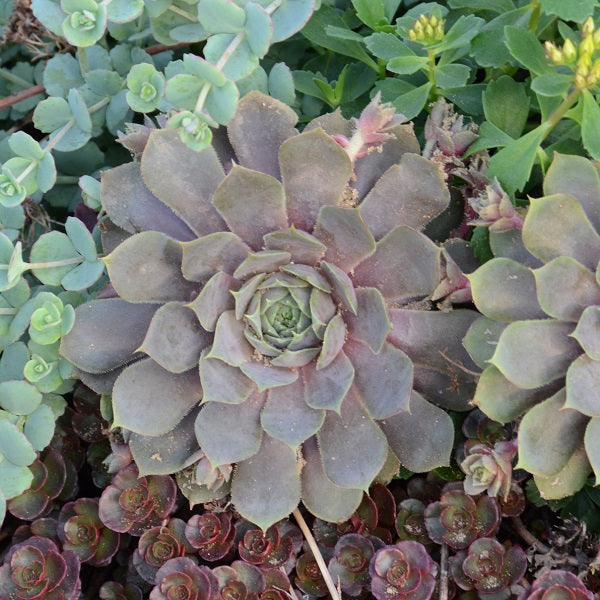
(263, 261)
(168, 453)
(183, 179)
(230, 345)
(583, 379)
(343, 289)
(267, 377)
(327, 387)
(320, 495)
(578, 288)
(252, 204)
(404, 266)
(139, 397)
(505, 290)
(569, 480)
(318, 180)
(372, 323)
(287, 417)
(333, 341)
(266, 487)
(411, 194)
(214, 299)
(207, 255)
(175, 338)
(213, 430)
(421, 438)
(557, 226)
(106, 334)
(353, 448)
(502, 400)
(302, 246)
(222, 382)
(482, 338)
(592, 445)
(147, 268)
(261, 122)
(575, 176)
(142, 211)
(533, 353)
(559, 429)
(346, 236)
(308, 274)
(586, 331)
(384, 380)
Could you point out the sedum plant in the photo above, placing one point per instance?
(272, 288)
(536, 340)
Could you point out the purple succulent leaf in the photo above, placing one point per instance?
(183, 179)
(117, 328)
(183, 576)
(147, 213)
(211, 534)
(222, 382)
(303, 247)
(350, 563)
(557, 584)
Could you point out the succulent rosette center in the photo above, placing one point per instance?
(260, 312)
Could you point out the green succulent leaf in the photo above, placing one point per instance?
(53, 247)
(583, 378)
(39, 427)
(569, 480)
(533, 353)
(560, 430)
(85, 22)
(14, 446)
(19, 397)
(592, 447)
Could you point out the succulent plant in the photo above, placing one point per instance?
(457, 520)
(240, 580)
(211, 534)
(540, 298)
(349, 565)
(410, 521)
(488, 567)
(513, 504)
(557, 585)
(134, 504)
(268, 549)
(49, 477)
(489, 469)
(159, 544)
(403, 571)
(113, 590)
(36, 570)
(274, 292)
(183, 578)
(309, 578)
(81, 531)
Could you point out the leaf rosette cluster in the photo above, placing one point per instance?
(538, 342)
(264, 311)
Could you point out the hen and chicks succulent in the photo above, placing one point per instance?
(266, 310)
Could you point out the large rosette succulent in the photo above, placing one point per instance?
(267, 304)
(538, 342)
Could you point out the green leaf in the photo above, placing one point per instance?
(281, 83)
(19, 397)
(50, 14)
(81, 238)
(104, 82)
(370, 12)
(242, 61)
(551, 84)
(79, 110)
(412, 103)
(452, 75)
(405, 65)
(467, 98)
(39, 427)
(343, 33)
(259, 29)
(498, 6)
(460, 34)
(573, 10)
(25, 146)
(51, 114)
(526, 48)
(513, 164)
(123, 11)
(387, 46)
(590, 127)
(221, 16)
(45, 173)
(62, 73)
(316, 32)
(506, 105)
(50, 247)
(15, 446)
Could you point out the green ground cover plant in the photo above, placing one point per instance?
(298, 299)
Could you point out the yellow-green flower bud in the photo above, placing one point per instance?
(584, 64)
(587, 46)
(595, 72)
(433, 20)
(439, 30)
(554, 54)
(580, 81)
(596, 38)
(418, 28)
(412, 36)
(588, 27)
(569, 51)
(429, 32)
